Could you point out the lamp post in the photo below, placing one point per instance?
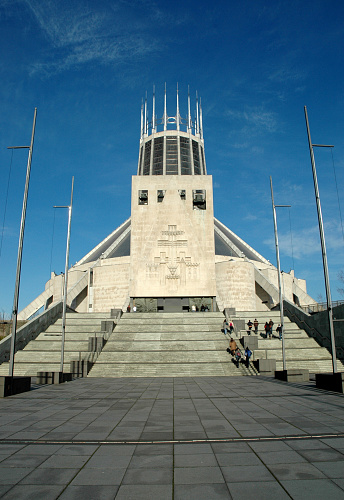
(66, 275)
(20, 246)
(279, 271)
(322, 241)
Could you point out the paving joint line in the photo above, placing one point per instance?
(172, 441)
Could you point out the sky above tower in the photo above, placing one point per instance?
(86, 65)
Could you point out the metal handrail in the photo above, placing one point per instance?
(320, 306)
(310, 329)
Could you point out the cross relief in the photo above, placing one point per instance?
(173, 266)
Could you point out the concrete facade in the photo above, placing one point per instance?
(172, 242)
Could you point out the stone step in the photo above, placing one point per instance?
(89, 329)
(31, 369)
(165, 357)
(122, 327)
(314, 366)
(44, 345)
(158, 345)
(177, 315)
(170, 370)
(293, 354)
(40, 357)
(291, 342)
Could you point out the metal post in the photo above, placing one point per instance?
(323, 245)
(66, 276)
(278, 271)
(20, 248)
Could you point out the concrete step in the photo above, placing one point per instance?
(31, 369)
(171, 345)
(124, 328)
(48, 345)
(291, 342)
(169, 370)
(314, 366)
(174, 316)
(319, 353)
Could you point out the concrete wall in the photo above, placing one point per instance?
(110, 284)
(172, 244)
(31, 330)
(290, 284)
(236, 285)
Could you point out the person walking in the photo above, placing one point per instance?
(225, 326)
(232, 346)
(279, 331)
(248, 354)
(266, 328)
(271, 324)
(237, 357)
(255, 324)
(249, 324)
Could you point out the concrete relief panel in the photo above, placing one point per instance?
(172, 266)
(236, 285)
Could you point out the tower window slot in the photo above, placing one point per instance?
(143, 197)
(161, 194)
(199, 199)
(182, 194)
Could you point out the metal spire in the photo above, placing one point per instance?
(177, 118)
(153, 118)
(141, 118)
(145, 125)
(200, 118)
(189, 113)
(165, 112)
(197, 115)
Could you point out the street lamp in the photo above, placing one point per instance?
(20, 246)
(278, 271)
(66, 275)
(323, 244)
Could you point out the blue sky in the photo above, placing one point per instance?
(86, 65)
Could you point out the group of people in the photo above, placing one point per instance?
(237, 357)
(204, 308)
(250, 325)
(268, 327)
(227, 326)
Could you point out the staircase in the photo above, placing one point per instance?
(44, 353)
(301, 351)
(167, 345)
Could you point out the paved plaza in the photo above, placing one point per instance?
(173, 438)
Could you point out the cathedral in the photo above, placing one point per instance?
(172, 254)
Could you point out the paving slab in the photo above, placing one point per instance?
(173, 438)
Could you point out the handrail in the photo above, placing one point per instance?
(320, 306)
(325, 341)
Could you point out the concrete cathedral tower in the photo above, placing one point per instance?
(172, 254)
(172, 261)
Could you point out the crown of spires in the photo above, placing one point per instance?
(166, 122)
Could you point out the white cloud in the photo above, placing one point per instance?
(306, 243)
(79, 35)
(255, 118)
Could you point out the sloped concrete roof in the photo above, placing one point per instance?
(117, 244)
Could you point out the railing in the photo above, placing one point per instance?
(320, 306)
(313, 332)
